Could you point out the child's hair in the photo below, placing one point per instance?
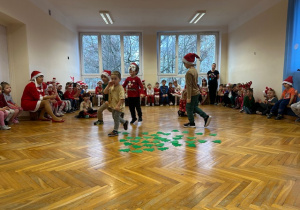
(250, 90)
(118, 74)
(156, 83)
(221, 85)
(149, 84)
(273, 92)
(204, 80)
(4, 84)
(163, 81)
(85, 95)
(170, 83)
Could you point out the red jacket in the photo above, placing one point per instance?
(32, 97)
(68, 95)
(133, 86)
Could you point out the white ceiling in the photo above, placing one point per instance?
(152, 13)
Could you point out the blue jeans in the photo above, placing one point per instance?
(280, 106)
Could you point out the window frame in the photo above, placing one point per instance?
(198, 33)
(122, 34)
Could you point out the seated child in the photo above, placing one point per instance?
(143, 93)
(164, 93)
(11, 104)
(86, 108)
(296, 109)
(264, 108)
(150, 95)
(178, 91)
(249, 102)
(99, 92)
(156, 93)
(3, 112)
(68, 106)
(9, 112)
(287, 98)
(171, 91)
(220, 94)
(182, 104)
(227, 95)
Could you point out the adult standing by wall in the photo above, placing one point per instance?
(212, 77)
(34, 98)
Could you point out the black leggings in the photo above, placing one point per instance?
(134, 104)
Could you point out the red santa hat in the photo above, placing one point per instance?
(54, 79)
(36, 74)
(288, 81)
(106, 73)
(190, 58)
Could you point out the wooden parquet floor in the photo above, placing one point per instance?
(75, 165)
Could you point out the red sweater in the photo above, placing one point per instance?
(68, 95)
(133, 86)
(98, 90)
(156, 91)
(2, 101)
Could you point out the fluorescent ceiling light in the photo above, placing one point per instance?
(106, 17)
(197, 17)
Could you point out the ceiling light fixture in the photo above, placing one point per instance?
(197, 17)
(106, 17)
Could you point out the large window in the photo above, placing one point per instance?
(172, 48)
(112, 52)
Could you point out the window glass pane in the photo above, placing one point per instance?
(131, 51)
(111, 52)
(180, 80)
(186, 44)
(167, 54)
(207, 52)
(91, 82)
(90, 54)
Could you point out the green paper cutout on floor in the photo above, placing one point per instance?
(125, 133)
(155, 141)
(163, 148)
(157, 137)
(127, 143)
(190, 142)
(153, 135)
(199, 133)
(176, 144)
(175, 130)
(137, 151)
(149, 149)
(145, 133)
(123, 140)
(128, 137)
(217, 141)
(147, 137)
(166, 134)
(202, 141)
(165, 140)
(160, 145)
(148, 145)
(191, 138)
(213, 134)
(185, 132)
(179, 136)
(124, 150)
(145, 141)
(191, 145)
(135, 141)
(136, 146)
(138, 137)
(159, 132)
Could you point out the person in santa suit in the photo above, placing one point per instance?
(34, 99)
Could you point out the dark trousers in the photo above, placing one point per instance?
(134, 104)
(171, 98)
(280, 106)
(212, 92)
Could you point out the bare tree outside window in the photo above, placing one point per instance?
(92, 82)
(167, 54)
(186, 44)
(131, 51)
(207, 52)
(90, 54)
(111, 52)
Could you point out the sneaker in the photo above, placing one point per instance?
(5, 127)
(147, 105)
(15, 121)
(113, 133)
(61, 113)
(161, 105)
(125, 125)
(122, 115)
(207, 121)
(133, 121)
(279, 117)
(189, 125)
(297, 120)
(171, 104)
(269, 116)
(140, 119)
(242, 110)
(258, 112)
(98, 122)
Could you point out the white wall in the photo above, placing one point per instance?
(4, 69)
(44, 43)
(256, 50)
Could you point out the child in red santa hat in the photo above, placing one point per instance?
(287, 98)
(191, 79)
(143, 93)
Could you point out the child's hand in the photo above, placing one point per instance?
(6, 108)
(117, 108)
(111, 83)
(188, 101)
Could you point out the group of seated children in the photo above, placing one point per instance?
(240, 96)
